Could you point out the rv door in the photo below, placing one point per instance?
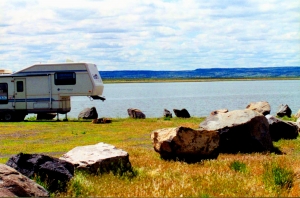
(20, 94)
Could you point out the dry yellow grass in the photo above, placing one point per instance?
(154, 177)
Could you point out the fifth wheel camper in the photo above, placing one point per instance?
(47, 88)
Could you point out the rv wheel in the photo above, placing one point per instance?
(8, 117)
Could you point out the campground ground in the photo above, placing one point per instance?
(254, 174)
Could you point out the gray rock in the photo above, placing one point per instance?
(14, 184)
(296, 124)
(284, 110)
(219, 111)
(262, 107)
(280, 129)
(88, 113)
(240, 131)
(167, 113)
(55, 172)
(186, 144)
(136, 113)
(183, 113)
(98, 158)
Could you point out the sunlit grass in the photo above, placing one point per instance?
(153, 176)
(293, 118)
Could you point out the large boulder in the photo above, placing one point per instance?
(98, 158)
(14, 184)
(262, 107)
(183, 113)
(186, 144)
(88, 113)
(284, 110)
(136, 113)
(55, 172)
(280, 129)
(167, 113)
(240, 131)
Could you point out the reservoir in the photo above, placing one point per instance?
(199, 98)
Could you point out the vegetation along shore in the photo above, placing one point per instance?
(242, 174)
(163, 80)
(202, 75)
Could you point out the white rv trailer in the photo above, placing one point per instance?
(47, 88)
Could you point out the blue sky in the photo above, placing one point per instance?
(150, 34)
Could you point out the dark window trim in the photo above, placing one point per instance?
(20, 86)
(65, 78)
(3, 93)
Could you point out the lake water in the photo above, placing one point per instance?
(199, 98)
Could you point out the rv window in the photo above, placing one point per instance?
(3, 93)
(65, 78)
(20, 87)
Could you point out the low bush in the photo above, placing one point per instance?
(238, 166)
(277, 178)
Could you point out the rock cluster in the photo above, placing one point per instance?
(56, 173)
(248, 130)
(91, 113)
(53, 171)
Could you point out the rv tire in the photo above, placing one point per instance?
(8, 117)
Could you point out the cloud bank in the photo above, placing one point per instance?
(150, 35)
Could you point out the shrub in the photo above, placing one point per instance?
(238, 166)
(277, 178)
(168, 118)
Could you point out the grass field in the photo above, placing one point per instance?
(233, 175)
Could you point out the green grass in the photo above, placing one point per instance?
(286, 118)
(231, 175)
(238, 166)
(278, 177)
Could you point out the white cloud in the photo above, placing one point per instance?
(157, 34)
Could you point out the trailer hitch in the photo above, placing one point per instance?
(96, 98)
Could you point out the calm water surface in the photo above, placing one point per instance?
(199, 98)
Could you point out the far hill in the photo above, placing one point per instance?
(260, 72)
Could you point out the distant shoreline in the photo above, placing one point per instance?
(166, 80)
